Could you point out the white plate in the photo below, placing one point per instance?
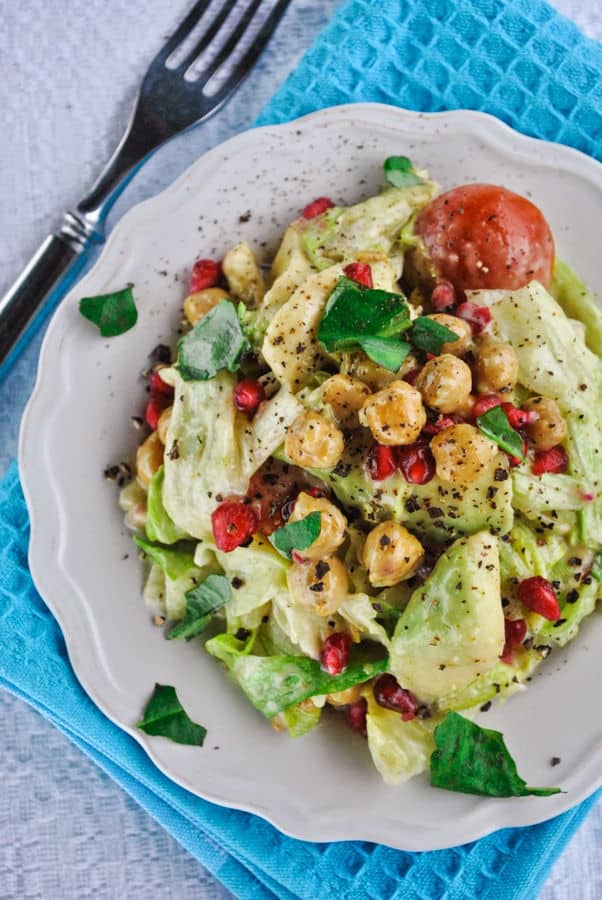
(323, 786)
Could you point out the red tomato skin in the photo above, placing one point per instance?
(483, 237)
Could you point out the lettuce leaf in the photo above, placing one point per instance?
(452, 629)
(159, 525)
(399, 749)
(274, 683)
(578, 302)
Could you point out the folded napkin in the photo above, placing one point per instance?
(526, 64)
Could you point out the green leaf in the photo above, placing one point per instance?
(216, 342)
(354, 312)
(494, 424)
(399, 172)
(430, 335)
(165, 716)
(159, 526)
(274, 683)
(201, 602)
(296, 535)
(301, 718)
(113, 313)
(386, 615)
(597, 566)
(386, 352)
(175, 563)
(475, 760)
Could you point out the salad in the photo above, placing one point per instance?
(371, 484)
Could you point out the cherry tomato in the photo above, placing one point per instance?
(480, 236)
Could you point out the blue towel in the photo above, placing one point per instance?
(526, 64)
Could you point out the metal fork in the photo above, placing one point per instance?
(166, 105)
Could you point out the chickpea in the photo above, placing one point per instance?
(550, 428)
(332, 524)
(460, 327)
(461, 453)
(445, 383)
(345, 396)
(395, 415)
(243, 274)
(314, 441)
(198, 305)
(496, 368)
(344, 698)
(163, 424)
(149, 458)
(391, 554)
(373, 375)
(321, 585)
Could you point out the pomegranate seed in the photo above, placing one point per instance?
(441, 423)
(335, 653)
(519, 418)
(484, 403)
(155, 406)
(515, 460)
(158, 386)
(317, 492)
(233, 523)
(515, 631)
(416, 462)
(248, 394)
(587, 496)
(554, 460)
(297, 557)
(205, 274)
(356, 716)
(538, 595)
(389, 693)
(381, 462)
(412, 376)
(443, 296)
(478, 317)
(360, 272)
(317, 207)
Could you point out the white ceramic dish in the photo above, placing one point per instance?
(323, 786)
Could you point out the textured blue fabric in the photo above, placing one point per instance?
(526, 64)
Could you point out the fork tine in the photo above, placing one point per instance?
(207, 37)
(182, 31)
(245, 64)
(230, 45)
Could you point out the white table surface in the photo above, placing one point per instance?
(69, 72)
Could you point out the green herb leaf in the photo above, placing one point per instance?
(386, 352)
(399, 172)
(354, 312)
(494, 424)
(475, 760)
(296, 535)
(165, 716)
(216, 342)
(175, 563)
(275, 683)
(430, 336)
(201, 602)
(113, 313)
(597, 566)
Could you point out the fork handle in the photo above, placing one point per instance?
(42, 283)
